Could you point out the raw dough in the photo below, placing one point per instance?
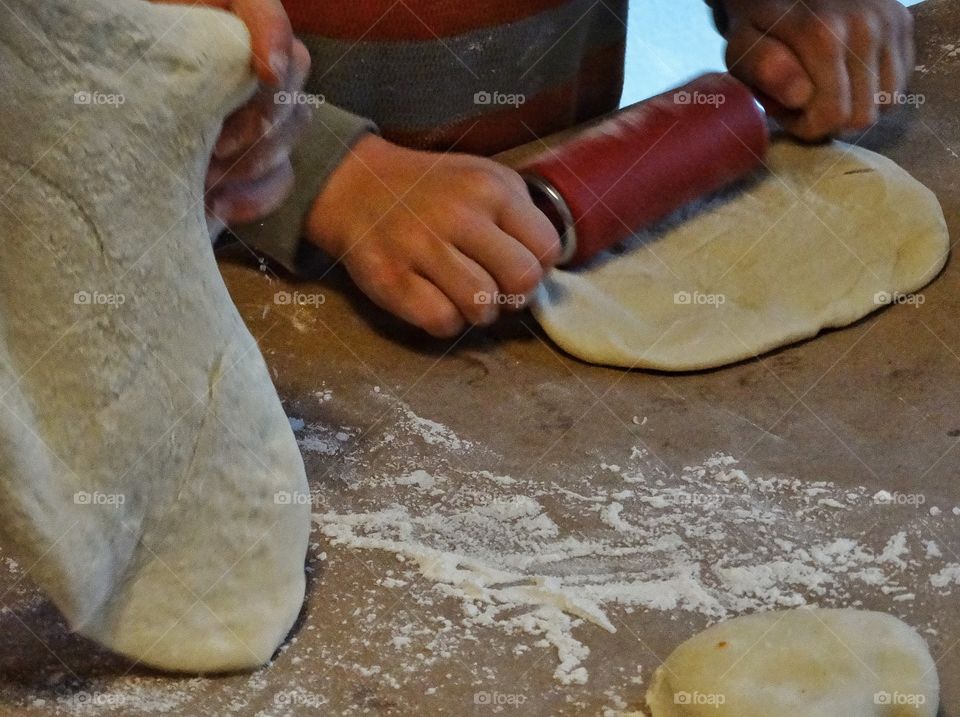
(142, 445)
(808, 246)
(802, 663)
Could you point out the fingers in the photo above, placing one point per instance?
(768, 65)
(515, 250)
(425, 235)
(250, 173)
(412, 298)
(863, 65)
(522, 220)
(247, 126)
(271, 37)
(818, 40)
(242, 202)
(463, 281)
(515, 270)
(424, 305)
(263, 157)
(822, 67)
(897, 57)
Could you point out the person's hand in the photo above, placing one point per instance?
(821, 67)
(440, 240)
(250, 173)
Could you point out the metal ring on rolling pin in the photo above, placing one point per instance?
(542, 189)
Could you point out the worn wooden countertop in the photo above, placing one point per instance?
(869, 408)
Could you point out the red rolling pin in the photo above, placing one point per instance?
(645, 161)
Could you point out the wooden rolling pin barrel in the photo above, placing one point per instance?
(634, 168)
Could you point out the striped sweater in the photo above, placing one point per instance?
(475, 77)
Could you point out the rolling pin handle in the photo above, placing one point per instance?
(549, 201)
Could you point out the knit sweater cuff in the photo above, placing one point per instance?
(328, 139)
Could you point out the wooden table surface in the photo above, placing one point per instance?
(869, 408)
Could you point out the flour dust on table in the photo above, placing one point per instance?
(710, 540)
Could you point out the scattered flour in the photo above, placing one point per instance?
(949, 575)
(419, 478)
(434, 433)
(318, 439)
(132, 696)
(430, 432)
(711, 540)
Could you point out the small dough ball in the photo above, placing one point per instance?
(802, 663)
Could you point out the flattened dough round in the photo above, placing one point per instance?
(808, 246)
(802, 663)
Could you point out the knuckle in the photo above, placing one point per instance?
(376, 268)
(302, 58)
(821, 131)
(463, 220)
(484, 185)
(513, 180)
(825, 31)
(830, 114)
(523, 281)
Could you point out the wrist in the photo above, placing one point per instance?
(329, 217)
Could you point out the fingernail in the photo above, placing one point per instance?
(279, 64)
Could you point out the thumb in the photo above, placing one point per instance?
(770, 67)
(271, 37)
